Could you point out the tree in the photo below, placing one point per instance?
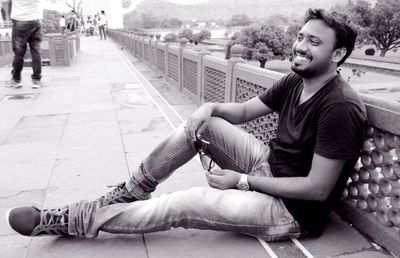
(126, 3)
(264, 43)
(379, 25)
(75, 5)
(51, 20)
(200, 36)
(170, 37)
(239, 20)
(186, 33)
(170, 23)
(278, 20)
(148, 20)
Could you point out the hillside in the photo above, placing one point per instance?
(224, 9)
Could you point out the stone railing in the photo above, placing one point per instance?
(56, 50)
(371, 200)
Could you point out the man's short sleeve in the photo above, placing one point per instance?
(275, 96)
(341, 131)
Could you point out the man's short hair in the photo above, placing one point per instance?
(345, 31)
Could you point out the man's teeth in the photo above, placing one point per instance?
(301, 58)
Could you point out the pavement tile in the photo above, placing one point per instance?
(37, 134)
(130, 123)
(338, 238)
(106, 245)
(26, 166)
(142, 143)
(181, 243)
(14, 246)
(43, 121)
(95, 118)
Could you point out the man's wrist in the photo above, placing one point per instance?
(243, 183)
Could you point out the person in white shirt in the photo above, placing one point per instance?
(103, 22)
(26, 16)
(62, 24)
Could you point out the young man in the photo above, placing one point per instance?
(62, 24)
(26, 16)
(274, 192)
(103, 22)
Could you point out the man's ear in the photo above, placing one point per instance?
(338, 54)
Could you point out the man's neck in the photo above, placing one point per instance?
(312, 85)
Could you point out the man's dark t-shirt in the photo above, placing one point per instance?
(332, 124)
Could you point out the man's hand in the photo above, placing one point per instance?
(222, 178)
(198, 121)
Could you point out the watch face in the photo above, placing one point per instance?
(243, 186)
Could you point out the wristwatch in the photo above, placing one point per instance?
(243, 184)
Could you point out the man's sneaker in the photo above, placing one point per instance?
(13, 84)
(30, 221)
(118, 195)
(36, 84)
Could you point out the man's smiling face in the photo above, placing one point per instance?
(313, 49)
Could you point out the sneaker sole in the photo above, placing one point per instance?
(8, 220)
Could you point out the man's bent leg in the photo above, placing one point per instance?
(173, 152)
(235, 149)
(250, 213)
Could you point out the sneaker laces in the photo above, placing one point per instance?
(55, 216)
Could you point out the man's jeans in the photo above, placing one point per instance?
(102, 31)
(250, 212)
(24, 33)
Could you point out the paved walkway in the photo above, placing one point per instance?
(88, 129)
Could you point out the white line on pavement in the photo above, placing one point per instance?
(131, 67)
(125, 61)
(267, 248)
(302, 248)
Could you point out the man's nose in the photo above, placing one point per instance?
(301, 46)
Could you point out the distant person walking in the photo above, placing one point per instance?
(103, 22)
(62, 24)
(26, 16)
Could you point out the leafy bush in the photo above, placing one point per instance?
(170, 37)
(186, 33)
(370, 52)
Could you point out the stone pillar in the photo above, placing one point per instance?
(182, 44)
(158, 36)
(230, 84)
(201, 74)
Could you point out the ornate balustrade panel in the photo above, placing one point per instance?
(214, 85)
(173, 67)
(146, 53)
(264, 128)
(161, 60)
(190, 75)
(214, 79)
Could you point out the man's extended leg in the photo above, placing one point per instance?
(34, 45)
(206, 208)
(246, 212)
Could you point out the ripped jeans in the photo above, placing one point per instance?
(247, 212)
